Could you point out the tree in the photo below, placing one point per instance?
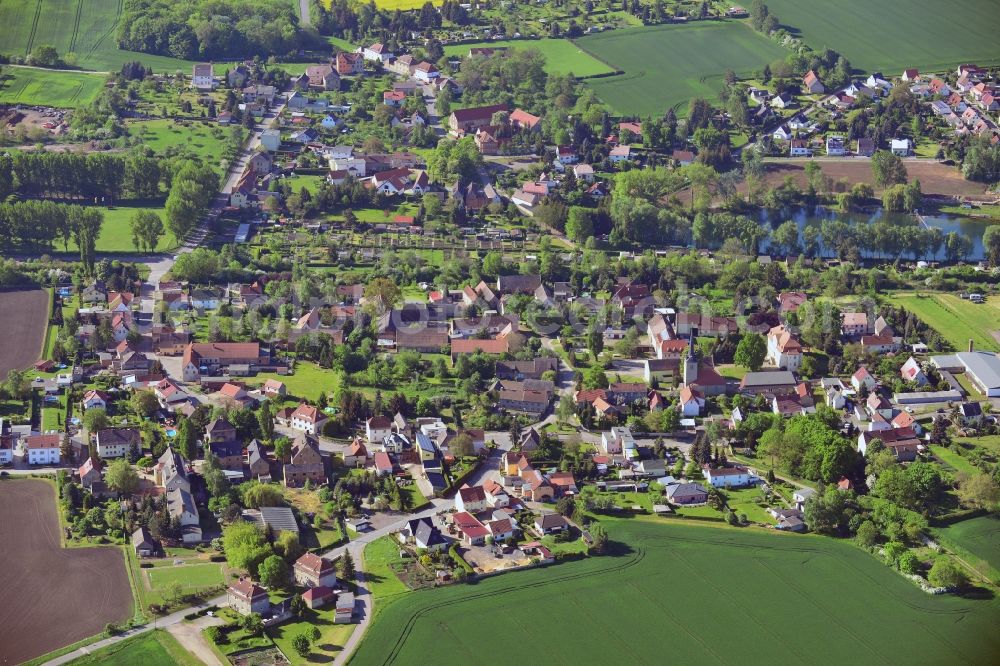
(256, 495)
(945, 573)
(750, 352)
(253, 624)
(301, 644)
(600, 537)
(566, 505)
(462, 446)
(121, 477)
(95, 419)
(273, 572)
(384, 293)
(144, 404)
(191, 191)
(186, 439)
(977, 491)
(579, 224)
(868, 534)
(991, 243)
(595, 378)
(147, 228)
(245, 545)
(346, 566)
(887, 169)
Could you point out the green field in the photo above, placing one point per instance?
(83, 27)
(886, 35)
(154, 648)
(561, 55)
(669, 64)
(699, 594)
(956, 319)
(68, 90)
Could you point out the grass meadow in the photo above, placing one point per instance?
(62, 89)
(891, 35)
(156, 648)
(667, 65)
(956, 319)
(700, 594)
(561, 55)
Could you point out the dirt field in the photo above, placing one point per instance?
(934, 178)
(52, 596)
(25, 316)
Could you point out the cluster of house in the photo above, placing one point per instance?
(966, 105)
(423, 443)
(969, 104)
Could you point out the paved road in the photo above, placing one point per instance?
(363, 598)
(304, 17)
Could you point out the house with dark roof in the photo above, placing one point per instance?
(422, 533)
(550, 523)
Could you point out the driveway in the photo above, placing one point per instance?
(189, 635)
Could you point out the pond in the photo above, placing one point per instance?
(805, 216)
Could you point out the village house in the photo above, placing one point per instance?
(308, 419)
(314, 571)
(246, 597)
(116, 442)
(306, 464)
(733, 477)
(42, 449)
(203, 76)
(783, 349)
(467, 121)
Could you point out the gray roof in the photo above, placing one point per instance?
(179, 501)
(984, 365)
(686, 490)
(279, 518)
(775, 378)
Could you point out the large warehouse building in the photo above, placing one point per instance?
(982, 369)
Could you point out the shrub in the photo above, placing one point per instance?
(215, 635)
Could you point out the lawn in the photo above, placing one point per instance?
(154, 648)
(880, 36)
(331, 641)
(311, 183)
(977, 542)
(195, 576)
(306, 382)
(383, 583)
(84, 27)
(116, 232)
(956, 319)
(667, 65)
(22, 85)
(742, 500)
(781, 598)
(561, 55)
